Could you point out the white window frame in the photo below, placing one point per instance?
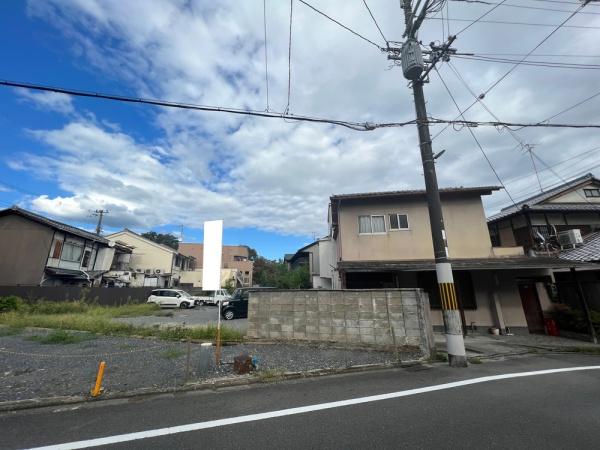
(399, 229)
(591, 191)
(371, 218)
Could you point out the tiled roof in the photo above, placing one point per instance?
(550, 207)
(589, 251)
(480, 190)
(53, 224)
(533, 202)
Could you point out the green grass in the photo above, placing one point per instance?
(475, 360)
(9, 331)
(172, 353)
(270, 374)
(96, 319)
(594, 350)
(62, 337)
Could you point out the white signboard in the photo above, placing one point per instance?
(211, 264)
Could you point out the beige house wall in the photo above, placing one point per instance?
(227, 258)
(466, 229)
(577, 196)
(146, 254)
(194, 277)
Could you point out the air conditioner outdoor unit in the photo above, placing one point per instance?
(148, 271)
(156, 270)
(138, 270)
(570, 238)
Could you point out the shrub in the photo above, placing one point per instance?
(46, 307)
(10, 303)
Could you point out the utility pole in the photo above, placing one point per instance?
(413, 66)
(100, 213)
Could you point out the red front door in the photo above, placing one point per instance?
(531, 307)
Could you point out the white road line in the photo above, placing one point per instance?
(300, 410)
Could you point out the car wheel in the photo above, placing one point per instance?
(184, 305)
(228, 315)
(201, 303)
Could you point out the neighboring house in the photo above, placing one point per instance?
(533, 222)
(120, 273)
(234, 258)
(39, 251)
(320, 258)
(588, 251)
(154, 264)
(192, 280)
(383, 240)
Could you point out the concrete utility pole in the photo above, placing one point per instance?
(100, 213)
(413, 65)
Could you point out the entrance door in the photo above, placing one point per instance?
(532, 309)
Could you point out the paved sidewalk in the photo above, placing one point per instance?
(483, 345)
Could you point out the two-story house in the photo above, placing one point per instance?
(534, 221)
(150, 263)
(36, 250)
(235, 263)
(383, 240)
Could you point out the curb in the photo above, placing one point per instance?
(214, 384)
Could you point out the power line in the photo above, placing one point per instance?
(375, 22)
(266, 59)
(473, 22)
(358, 126)
(571, 107)
(507, 22)
(341, 25)
(481, 96)
(512, 5)
(558, 65)
(563, 55)
(562, 2)
(287, 107)
(475, 137)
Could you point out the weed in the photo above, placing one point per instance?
(10, 303)
(475, 360)
(62, 337)
(595, 350)
(270, 374)
(9, 331)
(172, 353)
(439, 357)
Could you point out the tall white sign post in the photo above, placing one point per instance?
(211, 269)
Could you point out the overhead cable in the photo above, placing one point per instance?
(342, 25)
(359, 126)
(266, 59)
(473, 22)
(512, 5)
(375, 22)
(289, 90)
(557, 65)
(507, 22)
(475, 137)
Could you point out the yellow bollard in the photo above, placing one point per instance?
(98, 387)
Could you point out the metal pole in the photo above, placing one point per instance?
(455, 343)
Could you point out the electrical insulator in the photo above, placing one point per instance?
(412, 60)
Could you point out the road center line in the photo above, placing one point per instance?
(299, 410)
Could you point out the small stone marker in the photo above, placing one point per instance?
(242, 364)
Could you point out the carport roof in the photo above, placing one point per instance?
(507, 263)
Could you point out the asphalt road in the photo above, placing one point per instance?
(558, 410)
(200, 315)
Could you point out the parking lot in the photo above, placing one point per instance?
(198, 316)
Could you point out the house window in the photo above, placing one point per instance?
(57, 249)
(371, 224)
(71, 252)
(592, 192)
(398, 222)
(86, 258)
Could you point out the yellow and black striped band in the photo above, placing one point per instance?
(448, 296)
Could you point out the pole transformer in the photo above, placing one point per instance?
(413, 66)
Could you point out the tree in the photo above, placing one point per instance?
(252, 254)
(274, 273)
(166, 239)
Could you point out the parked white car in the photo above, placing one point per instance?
(172, 298)
(213, 297)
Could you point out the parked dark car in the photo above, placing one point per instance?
(237, 306)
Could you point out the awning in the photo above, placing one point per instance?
(511, 263)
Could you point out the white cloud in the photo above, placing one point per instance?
(52, 101)
(275, 175)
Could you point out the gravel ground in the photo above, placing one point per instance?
(29, 369)
(198, 316)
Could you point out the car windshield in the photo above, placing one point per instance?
(183, 293)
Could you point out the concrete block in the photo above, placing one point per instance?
(413, 341)
(338, 322)
(311, 329)
(299, 329)
(287, 328)
(383, 340)
(275, 335)
(339, 337)
(367, 339)
(339, 330)
(274, 320)
(365, 323)
(325, 330)
(365, 316)
(313, 336)
(274, 327)
(352, 330)
(287, 335)
(352, 323)
(367, 330)
(413, 333)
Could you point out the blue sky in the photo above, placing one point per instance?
(269, 180)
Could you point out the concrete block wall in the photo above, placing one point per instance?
(379, 317)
